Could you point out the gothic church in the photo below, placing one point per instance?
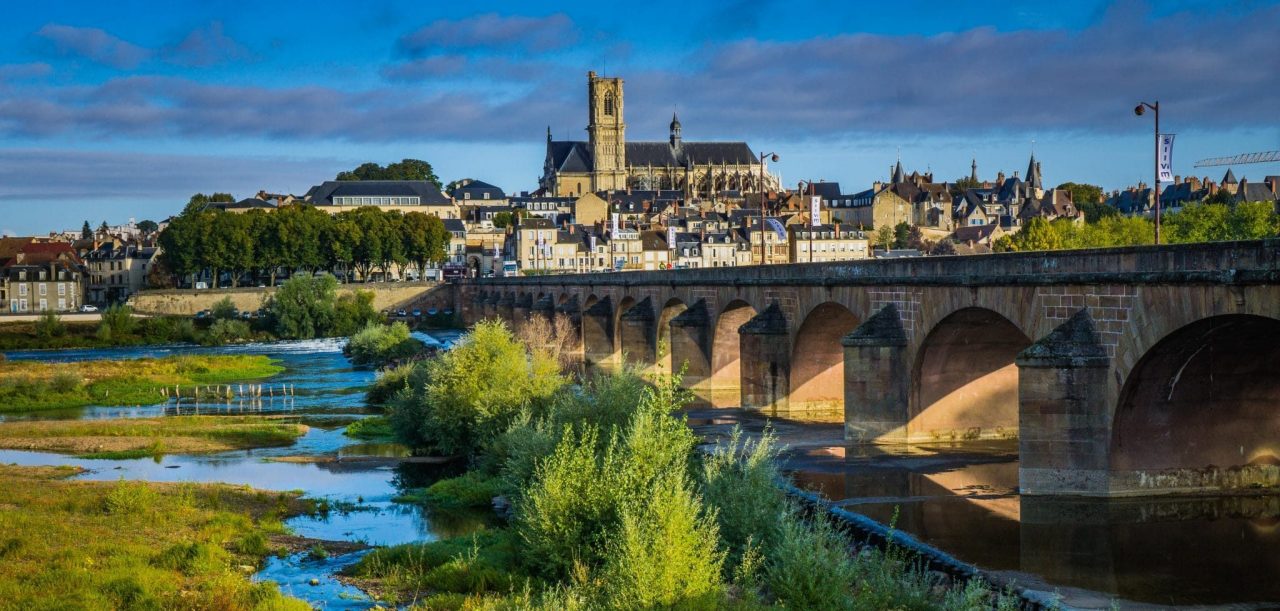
(606, 161)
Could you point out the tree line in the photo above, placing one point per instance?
(299, 237)
(1204, 222)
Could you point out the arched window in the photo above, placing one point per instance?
(608, 105)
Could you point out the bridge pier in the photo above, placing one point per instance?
(766, 361)
(691, 349)
(597, 335)
(520, 309)
(638, 335)
(1064, 425)
(544, 308)
(877, 380)
(490, 309)
(505, 306)
(572, 312)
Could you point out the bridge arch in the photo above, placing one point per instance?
(671, 309)
(817, 358)
(1204, 394)
(964, 383)
(724, 386)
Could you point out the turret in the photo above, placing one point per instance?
(675, 131)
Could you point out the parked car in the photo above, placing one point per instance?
(202, 314)
(401, 312)
(448, 311)
(431, 311)
(88, 308)
(417, 313)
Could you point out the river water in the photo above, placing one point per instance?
(1219, 552)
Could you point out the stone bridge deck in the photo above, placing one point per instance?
(1121, 371)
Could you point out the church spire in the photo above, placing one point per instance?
(1033, 173)
(898, 175)
(675, 131)
(973, 170)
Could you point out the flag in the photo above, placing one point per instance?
(815, 207)
(1165, 173)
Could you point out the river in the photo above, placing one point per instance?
(1140, 553)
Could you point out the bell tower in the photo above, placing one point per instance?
(606, 133)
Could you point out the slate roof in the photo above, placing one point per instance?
(975, 233)
(244, 204)
(1255, 192)
(575, 156)
(323, 194)
(826, 190)
(477, 189)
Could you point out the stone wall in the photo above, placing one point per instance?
(385, 295)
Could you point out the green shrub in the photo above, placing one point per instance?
(666, 552)
(352, 312)
(469, 490)
(64, 382)
(391, 381)
(810, 566)
(130, 497)
(225, 331)
(372, 427)
(483, 562)
(50, 325)
(117, 321)
(473, 392)
(224, 309)
(740, 480)
(303, 307)
(377, 344)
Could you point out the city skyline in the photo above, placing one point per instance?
(111, 113)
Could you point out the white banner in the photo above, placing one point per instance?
(815, 210)
(615, 224)
(1166, 158)
(671, 236)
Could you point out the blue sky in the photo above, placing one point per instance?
(117, 110)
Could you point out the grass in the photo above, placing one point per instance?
(373, 428)
(135, 545)
(144, 437)
(482, 562)
(471, 490)
(28, 385)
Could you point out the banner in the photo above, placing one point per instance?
(615, 224)
(815, 210)
(1165, 172)
(671, 236)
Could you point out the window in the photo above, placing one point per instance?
(62, 290)
(608, 105)
(44, 289)
(22, 290)
(62, 304)
(44, 304)
(486, 196)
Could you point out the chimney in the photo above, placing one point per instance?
(572, 229)
(1194, 182)
(1271, 182)
(1177, 179)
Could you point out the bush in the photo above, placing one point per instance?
(741, 482)
(379, 344)
(165, 329)
(117, 322)
(392, 381)
(303, 307)
(224, 309)
(473, 392)
(469, 490)
(50, 325)
(810, 567)
(224, 331)
(64, 382)
(352, 312)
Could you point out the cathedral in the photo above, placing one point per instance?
(606, 161)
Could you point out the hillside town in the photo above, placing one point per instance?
(601, 205)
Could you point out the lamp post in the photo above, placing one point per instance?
(774, 158)
(1139, 110)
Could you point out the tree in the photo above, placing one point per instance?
(303, 307)
(1037, 234)
(147, 227)
(1088, 199)
(425, 240)
(342, 237)
(1221, 197)
(86, 233)
(915, 239)
(229, 245)
(884, 237)
(502, 220)
(943, 248)
(407, 169)
(963, 184)
(104, 229)
(901, 233)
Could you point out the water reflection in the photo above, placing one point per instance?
(1163, 551)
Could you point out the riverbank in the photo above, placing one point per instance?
(28, 385)
(142, 437)
(79, 544)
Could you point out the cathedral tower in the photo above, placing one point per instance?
(607, 138)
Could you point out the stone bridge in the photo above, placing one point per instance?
(1130, 371)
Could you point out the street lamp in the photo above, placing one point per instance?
(774, 158)
(1139, 110)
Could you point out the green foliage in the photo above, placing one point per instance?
(483, 562)
(472, 489)
(884, 237)
(352, 312)
(49, 325)
(224, 309)
(303, 307)
(407, 169)
(809, 565)
(225, 331)
(502, 220)
(902, 235)
(741, 482)
(473, 392)
(379, 344)
(117, 321)
(1204, 222)
(392, 381)
(372, 427)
